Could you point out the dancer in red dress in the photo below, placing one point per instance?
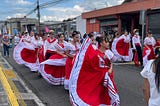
(53, 69)
(72, 50)
(49, 48)
(91, 80)
(26, 52)
(41, 55)
(121, 48)
(148, 51)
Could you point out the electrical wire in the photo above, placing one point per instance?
(45, 5)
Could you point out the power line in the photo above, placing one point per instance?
(45, 5)
(51, 3)
(31, 11)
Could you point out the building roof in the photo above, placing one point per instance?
(128, 1)
(124, 8)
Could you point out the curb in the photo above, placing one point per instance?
(11, 96)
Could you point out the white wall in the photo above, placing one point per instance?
(81, 25)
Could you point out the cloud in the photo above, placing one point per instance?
(18, 2)
(16, 8)
(58, 13)
(75, 8)
(50, 18)
(61, 13)
(17, 15)
(8, 17)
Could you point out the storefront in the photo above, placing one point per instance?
(109, 24)
(154, 22)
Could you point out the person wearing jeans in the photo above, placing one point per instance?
(6, 42)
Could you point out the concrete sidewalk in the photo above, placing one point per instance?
(7, 96)
(3, 96)
(13, 91)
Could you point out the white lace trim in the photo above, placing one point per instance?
(50, 79)
(17, 56)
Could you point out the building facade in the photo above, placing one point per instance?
(126, 16)
(67, 26)
(15, 25)
(81, 25)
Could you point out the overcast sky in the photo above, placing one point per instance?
(59, 11)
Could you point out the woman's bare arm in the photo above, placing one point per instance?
(146, 90)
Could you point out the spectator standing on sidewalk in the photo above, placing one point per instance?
(5, 41)
(151, 74)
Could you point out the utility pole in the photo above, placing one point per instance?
(142, 16)
(38, 15)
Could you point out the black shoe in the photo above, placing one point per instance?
(39, 75)
(34, 71)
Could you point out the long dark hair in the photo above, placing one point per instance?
(74, 33)
(59, 35)
(101, 39)
(157, 68)
(90, 35)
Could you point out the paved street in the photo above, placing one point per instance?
(127, 77)
(129, 83)
(127, 24)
